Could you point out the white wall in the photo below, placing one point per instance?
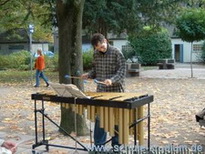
(119, 43)
(43, 46)
(5, 47)
(186, 50)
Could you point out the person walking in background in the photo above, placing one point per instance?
(7, 147)
(109, 68)
(39, 66)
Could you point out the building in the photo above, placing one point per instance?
(181, 50)
(18, 40)
(86, 45)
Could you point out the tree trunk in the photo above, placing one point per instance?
(69, 16)
(191, 60)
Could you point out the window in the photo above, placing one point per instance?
(16, 47)
(197, 47)
(127, 48)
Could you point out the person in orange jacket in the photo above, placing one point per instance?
(39, 66)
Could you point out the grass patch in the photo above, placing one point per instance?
(149, 67)
(11, 76)
(15, 76)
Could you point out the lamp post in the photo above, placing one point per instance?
(31, 30)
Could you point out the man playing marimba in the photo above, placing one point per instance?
(109, 68)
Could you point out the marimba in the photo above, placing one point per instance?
(122, 109)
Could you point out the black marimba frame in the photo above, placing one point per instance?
(128, 104)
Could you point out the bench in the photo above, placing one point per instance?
(200, 117)
(132, 69)
(166, 64)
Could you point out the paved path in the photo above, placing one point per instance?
(189, 98)
(181, 71)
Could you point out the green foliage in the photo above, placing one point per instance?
(52, 63)
(21, 61)
(87, 59)
(104, 16)
(203, 53)
(114, 16)
(21, 13)
(190, 25)
(4, 61)
(128, 53)
(150, 47)
(17, 60)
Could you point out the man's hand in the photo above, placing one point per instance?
(108, 82)
(10, 146)
(84, 76)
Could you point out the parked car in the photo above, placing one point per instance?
(50, 54)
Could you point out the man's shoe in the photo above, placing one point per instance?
(47, 84)
(36, 86)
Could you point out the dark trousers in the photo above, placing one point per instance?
(100, 135)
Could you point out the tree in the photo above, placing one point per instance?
(69, 18)
(116, 15)
(191, 27)
(19, 14)
(195, 3)
(99, 16)
(151, 45)
(105, 16)
(42, 13)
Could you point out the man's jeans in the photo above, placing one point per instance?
(38, 75)
(100, 135)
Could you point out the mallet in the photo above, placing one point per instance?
(74, 77)
(85, 81)
(98, 82)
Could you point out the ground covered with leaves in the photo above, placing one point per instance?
(176, 101)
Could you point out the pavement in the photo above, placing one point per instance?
(23, 142)
(181, 71)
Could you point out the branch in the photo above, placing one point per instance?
(3, 3)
